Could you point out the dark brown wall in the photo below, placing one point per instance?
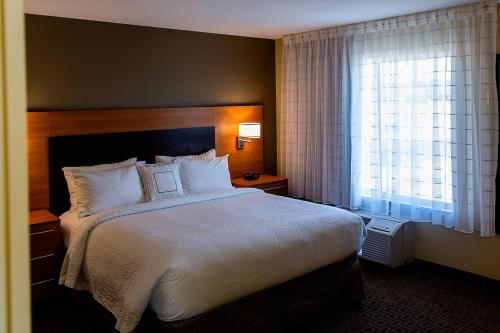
(77, 64)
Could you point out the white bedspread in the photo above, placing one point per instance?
(69, 222)
(187, 255)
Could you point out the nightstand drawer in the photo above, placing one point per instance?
(278, 190)
(45, 267)
(46, 254)
(271, 186)
(44, 238)
(43, 289)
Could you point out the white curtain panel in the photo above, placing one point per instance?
(315, 139)
(422, 110)
(425, 118)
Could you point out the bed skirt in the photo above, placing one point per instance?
(279, 308)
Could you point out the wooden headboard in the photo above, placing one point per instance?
(43, 125)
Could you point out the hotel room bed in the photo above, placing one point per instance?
(187, 256)
(227, 260)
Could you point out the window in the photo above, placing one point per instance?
(405, 138)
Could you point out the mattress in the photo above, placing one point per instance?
(188, 255)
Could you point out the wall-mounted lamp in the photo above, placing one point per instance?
(246, 132)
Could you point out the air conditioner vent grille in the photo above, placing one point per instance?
(377, 247)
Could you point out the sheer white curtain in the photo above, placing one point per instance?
(315, 139)
(398, 116)
(425, 117)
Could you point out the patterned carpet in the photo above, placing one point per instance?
(420, 297)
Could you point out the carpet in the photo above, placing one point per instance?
(420, 297)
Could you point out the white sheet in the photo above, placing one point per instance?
(187, 255)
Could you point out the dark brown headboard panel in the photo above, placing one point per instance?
(225, 120)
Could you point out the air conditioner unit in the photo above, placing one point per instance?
(389, 241)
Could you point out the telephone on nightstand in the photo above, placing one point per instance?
(251, 176)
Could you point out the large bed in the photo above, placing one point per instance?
(222, 260)
(186, 256)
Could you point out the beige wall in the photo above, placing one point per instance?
(467, 252)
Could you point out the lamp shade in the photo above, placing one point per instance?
(249, 130)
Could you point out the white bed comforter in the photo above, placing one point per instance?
(187, 255)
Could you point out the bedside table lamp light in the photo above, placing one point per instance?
(246, 132)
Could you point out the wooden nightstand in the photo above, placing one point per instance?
(271, 184)
(45, 253)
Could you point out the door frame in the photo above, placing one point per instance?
(15, 312)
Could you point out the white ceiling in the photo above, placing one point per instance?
(254, 18)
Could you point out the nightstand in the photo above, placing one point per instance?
(46, 250)
(270, 184)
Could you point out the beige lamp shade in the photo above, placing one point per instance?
(249, 130)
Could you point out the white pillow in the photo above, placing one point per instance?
(160, 181)
(100, 190)
(170, 159)
(200, 176)
(68, 174)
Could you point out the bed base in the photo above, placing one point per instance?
(280, 308)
